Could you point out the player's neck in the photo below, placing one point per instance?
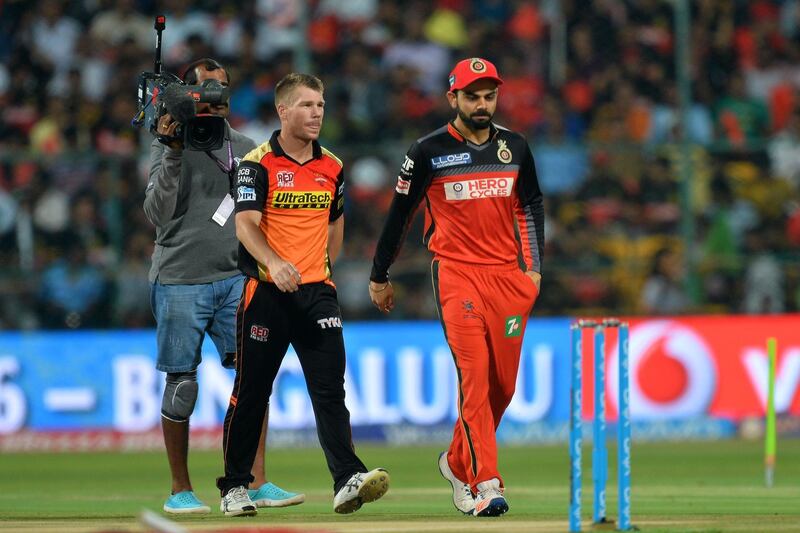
(301, 150)
(475, 136)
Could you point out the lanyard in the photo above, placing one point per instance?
(229, 168)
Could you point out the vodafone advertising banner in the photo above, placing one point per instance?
(708, 366)
(701, 373)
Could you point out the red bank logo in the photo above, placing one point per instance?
(673, 374)
(259, 333)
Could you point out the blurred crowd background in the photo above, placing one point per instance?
(593, 85)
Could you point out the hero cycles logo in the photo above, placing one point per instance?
(479, 188)
(302, 199)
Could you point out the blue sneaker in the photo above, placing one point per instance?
(185, 503)
(271, 495)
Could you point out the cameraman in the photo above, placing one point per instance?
(196, 284)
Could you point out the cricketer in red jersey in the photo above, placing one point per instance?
(484, 223)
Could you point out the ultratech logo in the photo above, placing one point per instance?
(302, 199)
(480, 188)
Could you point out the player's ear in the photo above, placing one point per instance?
(452, 98)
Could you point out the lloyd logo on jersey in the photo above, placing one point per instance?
(450, 160)
(480, 188)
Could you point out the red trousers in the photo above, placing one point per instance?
(483, 311)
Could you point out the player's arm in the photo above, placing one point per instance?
(530, 217)
(251, 193)
(161, 194)
(412, 182)
(336, 221)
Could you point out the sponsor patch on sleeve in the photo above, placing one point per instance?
(245, 194)
(402, 185)
(451, 160)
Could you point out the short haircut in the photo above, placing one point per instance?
(190, 74)
(290, 82)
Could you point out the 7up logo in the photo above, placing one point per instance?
(513, 326)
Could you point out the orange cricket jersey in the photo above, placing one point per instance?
(297, 202)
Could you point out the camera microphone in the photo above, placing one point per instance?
(178, 103)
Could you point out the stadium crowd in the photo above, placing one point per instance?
(623, 237)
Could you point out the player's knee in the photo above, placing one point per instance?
(180, 395)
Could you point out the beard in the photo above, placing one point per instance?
(473, 124)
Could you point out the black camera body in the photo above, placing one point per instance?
(162, 92)
(165, 93)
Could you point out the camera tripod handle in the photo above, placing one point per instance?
(159, 25)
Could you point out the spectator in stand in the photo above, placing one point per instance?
(663, 293)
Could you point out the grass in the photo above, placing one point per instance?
(687, 487)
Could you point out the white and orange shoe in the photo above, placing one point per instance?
(490, 500)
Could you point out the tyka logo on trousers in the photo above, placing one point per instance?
(332, 322)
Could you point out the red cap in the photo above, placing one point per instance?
(470, 70)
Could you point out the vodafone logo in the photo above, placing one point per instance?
(480, 188)
(672, 370)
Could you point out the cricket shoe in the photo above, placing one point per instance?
(361, 488)
(185, 502)
(490, 500)
(462, 494)
(271, 495)
(236, 502)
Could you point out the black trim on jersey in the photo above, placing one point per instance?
(279, 152)
(250, 175)
(401, 213)
(337, 204)
(428, 234)
(530, 196)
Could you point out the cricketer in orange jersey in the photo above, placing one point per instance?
(289, 220)
(484, 223)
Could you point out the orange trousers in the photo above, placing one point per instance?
(484, 310)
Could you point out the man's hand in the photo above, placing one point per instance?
(284, 274)
(536, 277)
(167, 128)
(382, 296)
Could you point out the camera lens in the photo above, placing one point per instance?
(205, 133)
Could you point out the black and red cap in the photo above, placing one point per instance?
(470, 70)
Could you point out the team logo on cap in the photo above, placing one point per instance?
(452, 79)
(477, 65)
(503, 152)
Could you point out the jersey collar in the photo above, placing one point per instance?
(277, 149)
(451, 129)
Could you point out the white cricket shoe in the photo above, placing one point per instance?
(361, 488)
(462, 494)
(490, 500)
(237, 503)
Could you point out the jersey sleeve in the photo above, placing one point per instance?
(250, 187)
(529, 212)
(412, 182)
(337, 205)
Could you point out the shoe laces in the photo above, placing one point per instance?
(355, 481)
(490, 489)
(237, 495)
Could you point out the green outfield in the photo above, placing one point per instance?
(697, 487)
